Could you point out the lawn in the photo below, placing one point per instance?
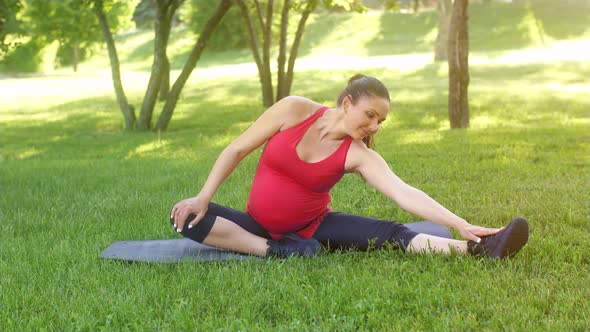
(72, 182)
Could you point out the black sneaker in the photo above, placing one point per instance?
(293, 245)
(506, 243)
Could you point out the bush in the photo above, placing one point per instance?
(65, 54)
(25, 58)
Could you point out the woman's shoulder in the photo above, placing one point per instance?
(301, 105)
(297, 109)
(358, 153)
(358, 148)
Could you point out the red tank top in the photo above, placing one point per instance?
(289, 195)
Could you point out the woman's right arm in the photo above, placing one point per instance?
(268, 124)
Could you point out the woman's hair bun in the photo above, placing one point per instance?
(363, 86)
(355, 77)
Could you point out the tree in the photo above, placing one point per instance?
(443, 8)
(261, 46)
(190, 64)
(71, 23)
(66, 22)
(160, 65)
(160, 74)
(9, 24)
(127, 110)
(458, 52)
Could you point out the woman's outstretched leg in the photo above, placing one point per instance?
(424, 243)
(505, 243)
(345, 231)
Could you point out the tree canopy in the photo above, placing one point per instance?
(9, 24)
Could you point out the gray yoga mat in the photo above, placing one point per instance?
(176, 250)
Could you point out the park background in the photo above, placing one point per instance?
(72, 181)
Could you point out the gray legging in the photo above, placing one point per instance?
(336, 231)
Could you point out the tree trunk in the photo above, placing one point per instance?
(295, 47)
(266, 43)
(164, 12)
(263, 73)
(416, 6)
(285, 78)
(126, 109)
(443, 8)
(458, 49)
(190, 64)
(281, 87)
(75, 56)
(165, 82)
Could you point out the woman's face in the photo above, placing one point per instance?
(364, 118)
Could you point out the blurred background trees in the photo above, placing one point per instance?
(66, 28)
(9, 24)
(37, 35)
(159, 81)
(74, 28)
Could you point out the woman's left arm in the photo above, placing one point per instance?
(377, 173)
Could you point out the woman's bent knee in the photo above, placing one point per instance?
(199, 231)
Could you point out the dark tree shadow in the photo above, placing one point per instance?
(553, 14)
(403, 33)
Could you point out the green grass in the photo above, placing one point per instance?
(73, 182)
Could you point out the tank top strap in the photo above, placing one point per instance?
(300, 128)
(316, 114)
(342, 152)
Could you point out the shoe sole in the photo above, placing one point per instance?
(517, 236)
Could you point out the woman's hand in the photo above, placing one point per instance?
(473, 233)
(196, 205)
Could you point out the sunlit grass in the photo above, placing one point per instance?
(540, 67)
(73, 181)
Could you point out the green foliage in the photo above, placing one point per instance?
(65, 54)
(144, 14)
(343, 5)
(24, 58)
(392, 5)
(232, 33)
(9, 25)
(550, 15)
(229, 34)
(71, 23)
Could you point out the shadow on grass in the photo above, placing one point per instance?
(403, 34)
(520, 24)
(493, 26)
(212, 114)
(551, 16)
(319, 30)
(76, 131)
(143, 52)
(179, 48)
